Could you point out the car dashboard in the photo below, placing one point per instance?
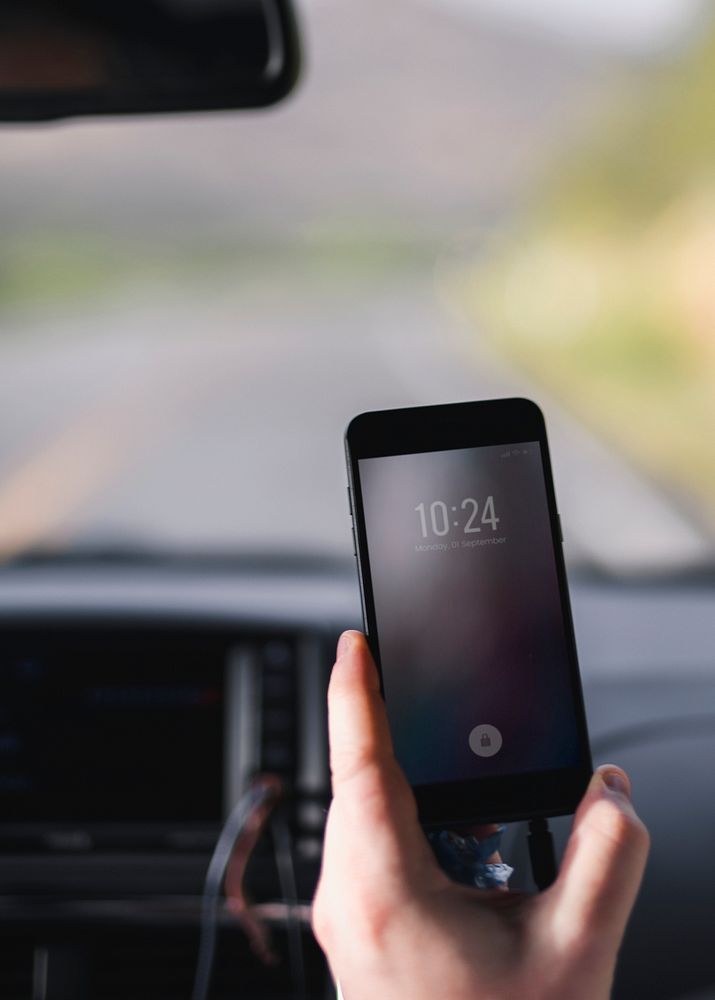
(139, 704)
(141, 698)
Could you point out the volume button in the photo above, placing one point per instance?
(350, 501)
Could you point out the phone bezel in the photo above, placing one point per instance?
(413, 430)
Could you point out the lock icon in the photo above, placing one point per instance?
(485, 740)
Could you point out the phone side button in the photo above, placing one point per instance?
(350, 501)
(561, 530)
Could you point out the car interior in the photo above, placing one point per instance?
(146, 683)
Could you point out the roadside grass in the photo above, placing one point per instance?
(605, 291)
(68, 270)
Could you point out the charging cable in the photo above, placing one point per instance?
(283, 846)
(244, 812)
(541, 853)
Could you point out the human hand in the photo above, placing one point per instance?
(394, 927)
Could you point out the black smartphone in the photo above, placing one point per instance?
(466, 608)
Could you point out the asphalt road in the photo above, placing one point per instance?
(217, 425)
(208, 413)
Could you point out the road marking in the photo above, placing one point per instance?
(38, 500)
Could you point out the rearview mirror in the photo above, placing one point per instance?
(61, 58)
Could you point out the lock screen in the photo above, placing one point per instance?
(473, 647)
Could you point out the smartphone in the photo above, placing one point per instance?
(466, 608)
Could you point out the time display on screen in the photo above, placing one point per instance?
(469, 515)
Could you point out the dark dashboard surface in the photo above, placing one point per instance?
(247, 647)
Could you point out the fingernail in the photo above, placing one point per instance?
(616, 781)
(344, 643)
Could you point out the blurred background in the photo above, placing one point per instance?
(461, 199)
(464, 198)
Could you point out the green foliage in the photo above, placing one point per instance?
(603, 290)
(658, 140)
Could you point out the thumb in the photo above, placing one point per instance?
(374, 850)
(375, 798)
(603, 865)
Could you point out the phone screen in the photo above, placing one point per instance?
(473, 646)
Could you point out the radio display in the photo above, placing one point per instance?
(111, 728)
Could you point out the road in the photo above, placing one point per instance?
(206, 412)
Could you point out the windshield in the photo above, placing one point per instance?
(462, 200)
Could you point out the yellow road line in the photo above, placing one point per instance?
(39, 498)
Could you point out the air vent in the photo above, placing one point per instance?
(152, 964)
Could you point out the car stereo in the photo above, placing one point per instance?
(112, 729)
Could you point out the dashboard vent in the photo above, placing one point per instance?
(154, 959)
(152, 965)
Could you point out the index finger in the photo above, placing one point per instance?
(603, 865)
